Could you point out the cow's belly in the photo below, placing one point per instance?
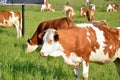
(6, 24)
(102, 57)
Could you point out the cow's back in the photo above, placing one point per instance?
(61, 23)
(11, 19)
(91, 40)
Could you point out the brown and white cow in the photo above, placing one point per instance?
(69, 11)
(11, 18)
(83, 11)
(112, 7)
(90, 13)
(83, 44)
(47, 7)
(36, 39)
(70, 14)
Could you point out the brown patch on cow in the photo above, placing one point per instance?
(111, 40)
(78, 43)
(4, 15)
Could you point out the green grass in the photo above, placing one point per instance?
(15, 64)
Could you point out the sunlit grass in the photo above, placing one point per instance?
(15, 64)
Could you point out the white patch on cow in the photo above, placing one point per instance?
(88, 34)
(109, 8)
(99, 56)
(30, 48)
(55, 51)
(110, 47)
(75, 58)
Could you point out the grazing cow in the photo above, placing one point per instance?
(112, 7)
(70, 14)
(90, 13)
(11, 18)
(36, 39)
(83, 44)
(47, 7)
(69, 11)
(83, 11)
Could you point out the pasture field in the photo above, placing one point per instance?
(15, 64)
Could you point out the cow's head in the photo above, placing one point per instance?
(34, 42)
(52, 8)
(51, 46)
(30, 46)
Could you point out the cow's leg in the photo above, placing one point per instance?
(77, 72)
(117, 64)
(19, 30)
(85, 66)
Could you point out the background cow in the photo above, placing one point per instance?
(112, 7)
(47, 7)
(36, 39)
(90, 13)
(11, 18)
(84, 44)
(69, 11)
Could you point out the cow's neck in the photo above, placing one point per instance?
(34, 39)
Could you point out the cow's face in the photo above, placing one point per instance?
(30, 47)
(51, 46)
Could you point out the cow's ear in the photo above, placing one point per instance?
(56, 37)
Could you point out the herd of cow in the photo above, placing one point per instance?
(84, 11)
(76, 43)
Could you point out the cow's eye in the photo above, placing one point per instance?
(49, 41)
